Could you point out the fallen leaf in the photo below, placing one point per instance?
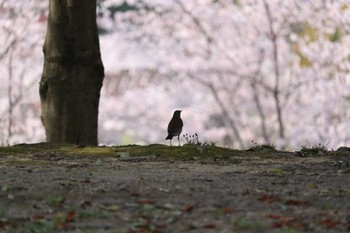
(268, 199)
(38, 217)
(188, 208)
(277, 224)
(135, 194)
(146, 201)
(228, 210)
(287, 221)
(2, 224)
(274, 216)
(209, 225)
(329, 223)
(296, 202)
(71, 215)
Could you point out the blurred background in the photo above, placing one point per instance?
(242, 72)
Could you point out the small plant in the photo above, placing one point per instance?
(314, 150)
(254, 146)
(193, 140)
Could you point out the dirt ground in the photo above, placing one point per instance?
(288, 192)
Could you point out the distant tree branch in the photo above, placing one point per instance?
(227, 116)
(256, 97)
(198, 24)
(276, 89)
(7, 49)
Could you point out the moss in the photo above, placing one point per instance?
(52, 152)
(243, 224)
(177, 153)
(26, 161)
(277, 171)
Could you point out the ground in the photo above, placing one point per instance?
(56, 188)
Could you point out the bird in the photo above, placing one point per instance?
(175, 127)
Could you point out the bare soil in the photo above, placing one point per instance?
(247, 192)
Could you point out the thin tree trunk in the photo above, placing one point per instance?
(260, 111)
(254, 85)
(10, 97)
(231, 123)
(73, 73)
(276, 91)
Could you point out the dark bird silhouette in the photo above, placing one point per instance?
(175, 127)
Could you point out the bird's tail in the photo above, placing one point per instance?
(169, 137)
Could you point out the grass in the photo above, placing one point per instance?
(262, 147)
(194, 149)
(313, 150)
(158, 151)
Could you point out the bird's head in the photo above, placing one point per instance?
(177, 112)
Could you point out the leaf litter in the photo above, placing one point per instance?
(234, 194)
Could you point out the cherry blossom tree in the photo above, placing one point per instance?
(21, 28)
(272, 71)
(261, 64)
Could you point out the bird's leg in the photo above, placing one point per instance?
(170, 142)
(178, 139)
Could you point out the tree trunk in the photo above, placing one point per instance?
(73, 73)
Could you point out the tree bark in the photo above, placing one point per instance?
(73, 73)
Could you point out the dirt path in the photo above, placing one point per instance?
(109, 194)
